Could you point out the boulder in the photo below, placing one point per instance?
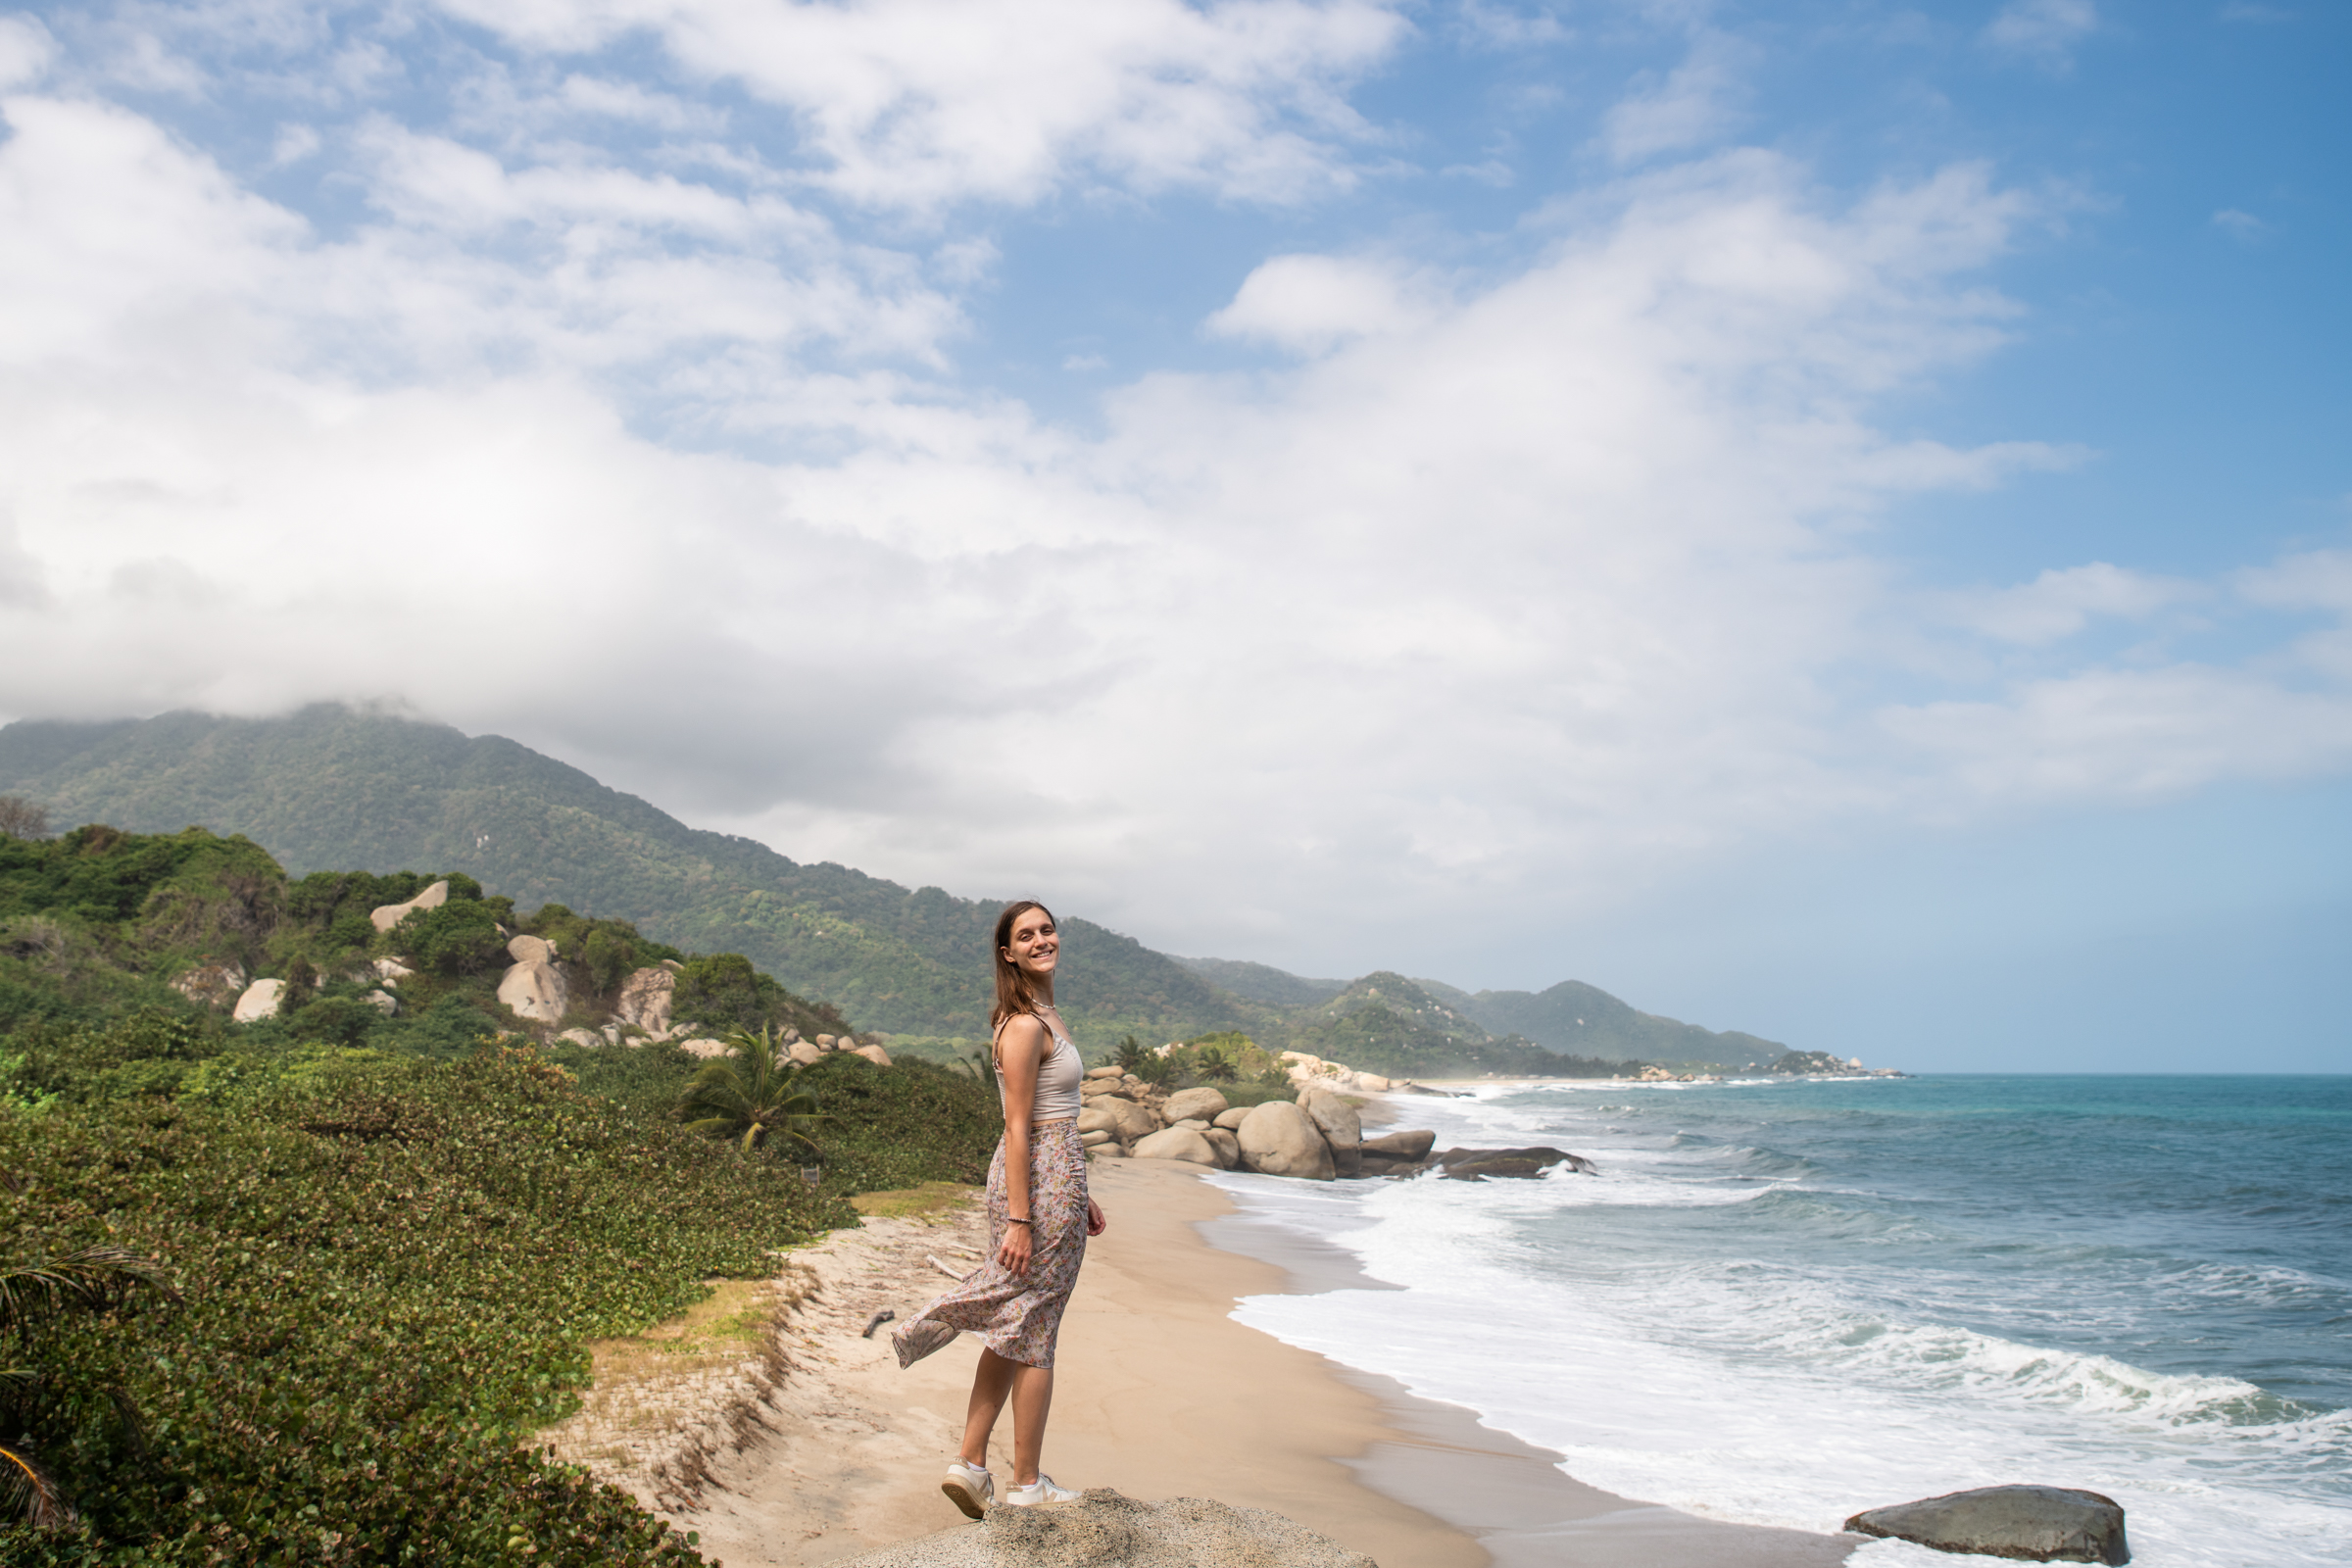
(1411, 1145)
(1475, 1164)
(874, 1054)
(703, 1047)
(385, 1002)
(828, 1041)
(391, 971)
(535, 991)
(260, 1001)
(1190, 1124)
(2035, 1523)
(1108, 1530)
(531, 950)
(1204, 1103)
(1089, 1088)
(212, 985)
(673, 966)
(1228, 1147)
(806, 1054)
(1335, 1117)
(387, 916)
(645, 999)
(1106, 1152)
(1373, 1082)
(1278, 1139)
(1098, 1118)
(1134, 1120)
(1178, 1143)
(1094, 1139)
(1230, 1120)
(582, 1037)
(1105, 1072)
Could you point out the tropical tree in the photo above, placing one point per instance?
(749, 1093)
(1129, 1055)
(95, 1279)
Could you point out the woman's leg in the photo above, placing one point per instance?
(992, 1380)
(1031, 1389)
(1032, 1400)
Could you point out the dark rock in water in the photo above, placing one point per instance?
(1475, 1164)
(1106, 1530)
(1413, 1144)
(2035, 1523)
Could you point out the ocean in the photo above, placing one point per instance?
(1783, 1302)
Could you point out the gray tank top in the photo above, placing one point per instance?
(1058, 1076)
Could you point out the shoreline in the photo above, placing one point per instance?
(1163, 1394)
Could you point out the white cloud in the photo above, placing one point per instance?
(2243, 227)
(1505, 596)
(2043, 30)
(2063, 600)
(1309, 303)
(925, 103)
(26, 51)
(1693, 106)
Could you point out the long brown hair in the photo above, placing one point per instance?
(1014, 994)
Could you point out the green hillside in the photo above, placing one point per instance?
(1385, 1023)
(330, 787)
(1586, 1021)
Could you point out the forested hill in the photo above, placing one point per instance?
(332, 789)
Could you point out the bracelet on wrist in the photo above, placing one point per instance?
(1010, 1221)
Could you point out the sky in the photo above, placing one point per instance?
(1831, 519)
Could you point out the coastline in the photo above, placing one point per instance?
(1163, 1395)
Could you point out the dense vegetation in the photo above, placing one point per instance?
(383, 1240)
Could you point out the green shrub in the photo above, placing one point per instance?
(460, 937)
(388, 1267)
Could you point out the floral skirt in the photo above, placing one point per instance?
(1017, 1315)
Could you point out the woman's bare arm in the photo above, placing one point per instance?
(1021, 1051)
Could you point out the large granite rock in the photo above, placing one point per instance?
(1340, 1125)
(1228, 1147)
(1186, 1103)
(259, 1000)
(804, 1054)
(1230, 1120)
(391, 971)
(1278, 1139)
(212, 985)
(646, 998)
(2032, 1524)
(1098, 1118)
(531, 950)
(874, 1054)
(1106, 1530)
(535, 991)
(1411, 1143)
(1129, 1120)
(387, 916)
(1178, 1143)
(1477, 1164)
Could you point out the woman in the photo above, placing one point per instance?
(1038, 1219)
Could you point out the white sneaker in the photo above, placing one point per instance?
(969, 1488)
(1044, 1490)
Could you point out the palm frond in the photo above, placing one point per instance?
(749, 1093)
(95, 1278)
(27, 1490)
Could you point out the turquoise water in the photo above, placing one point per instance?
(1781, 1302)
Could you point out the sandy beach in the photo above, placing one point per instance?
(834, 1450)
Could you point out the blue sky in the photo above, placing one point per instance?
(1826, 518)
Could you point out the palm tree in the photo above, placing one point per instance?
(91, 1280)
(748, 1093)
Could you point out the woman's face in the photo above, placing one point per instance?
(1035, 946)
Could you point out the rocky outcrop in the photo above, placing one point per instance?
(1230, 1120)
(384, 1002)
(259, 999)
(1186, 1103)
(805, 1053)
(646, 998)
(212, 985)
(1178, 1143)
(1278, 1139)
(535, 991)
(531, 950)
(1477, 1164)
(2029, 1524)
(387, 916)
(1108, 1530)
(391, 971)
(1227, 1146)
(1413, 1144)
(874, 1054)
